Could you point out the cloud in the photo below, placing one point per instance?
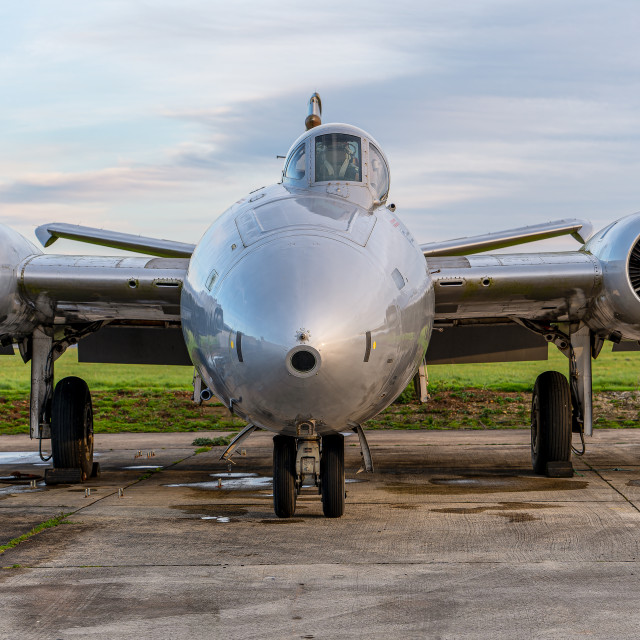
(492, 113)
(105, 185)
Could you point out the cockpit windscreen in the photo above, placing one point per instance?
(295, 166)
(338, 157)
(379, 175)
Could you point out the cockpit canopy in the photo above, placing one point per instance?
(337, 153)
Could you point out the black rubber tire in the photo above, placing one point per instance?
(550, 421)
(332, 475)
(72, 426)
(284, 476)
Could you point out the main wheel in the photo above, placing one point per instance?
(284, 476)
(550, 421)
(332, 475)
(72, 426)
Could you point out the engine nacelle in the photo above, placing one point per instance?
(17, 317)
(615, 312)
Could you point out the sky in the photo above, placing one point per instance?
(154, 117)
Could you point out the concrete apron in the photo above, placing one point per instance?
(451, 537)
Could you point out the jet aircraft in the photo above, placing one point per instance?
(307, 307)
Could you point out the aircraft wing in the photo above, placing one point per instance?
(80, 289)
(483, 301)
(551, 287)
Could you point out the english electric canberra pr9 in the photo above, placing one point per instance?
(308, 307)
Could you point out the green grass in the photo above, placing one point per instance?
(47, 524)
(15, 375)
(219, 441)
(611, 372)
(130, 410)
(144, 398)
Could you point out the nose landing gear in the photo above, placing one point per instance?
(297, 458)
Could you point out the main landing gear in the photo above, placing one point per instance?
(72, 428)
(294, 459)
(559, 407)
(551, 419)
(64, 415)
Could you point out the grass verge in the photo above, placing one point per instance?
(47, 524)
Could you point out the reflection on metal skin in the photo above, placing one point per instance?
(547, 286)
(89, 288)
(303, 300)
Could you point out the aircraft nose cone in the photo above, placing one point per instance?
(301, 312)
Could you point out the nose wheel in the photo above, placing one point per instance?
(284, 476)
(332, 475)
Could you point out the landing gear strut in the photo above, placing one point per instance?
(551, 425)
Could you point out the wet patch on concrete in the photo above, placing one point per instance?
(12, 489)
(247, 483)
(516, 507)
(27, 457)
(230, 475)
(211, 510)
(404, 506)
(20, 457)
(143, 466)
(20, 478)
(517, 518)
(282, 521)
(633, 483)
(486, 484)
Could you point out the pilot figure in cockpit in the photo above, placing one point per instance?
(349, 169)
(337, 161)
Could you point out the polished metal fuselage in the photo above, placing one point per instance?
(287, 269)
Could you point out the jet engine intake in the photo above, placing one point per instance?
(615, 312)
